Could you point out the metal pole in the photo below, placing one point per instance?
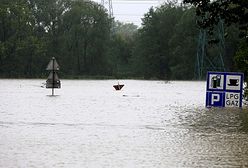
(53, 77)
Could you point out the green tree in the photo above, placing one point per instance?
(48, 16)
(152, 52)
(86, 26)
(232, 12)
(120, 48)
(183, 46)
(16, 31)
(241, 60)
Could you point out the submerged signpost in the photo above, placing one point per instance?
(224, 89)
(53, 79)
(118, 86)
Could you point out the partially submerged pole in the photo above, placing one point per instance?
(53, 76)
(118, 86)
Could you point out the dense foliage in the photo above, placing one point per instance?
(33, 31)
(233, 13)
(86, 42)
(230, 11)
(167, 43)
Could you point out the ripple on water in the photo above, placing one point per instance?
(148, 124)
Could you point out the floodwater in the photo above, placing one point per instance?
(148, 124)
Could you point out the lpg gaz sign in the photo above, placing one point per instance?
(224, 89)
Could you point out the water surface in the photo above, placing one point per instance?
(150, 124)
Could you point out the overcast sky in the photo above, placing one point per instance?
(131, 11)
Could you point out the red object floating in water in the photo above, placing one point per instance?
(118, 87)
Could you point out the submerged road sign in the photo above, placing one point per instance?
(53, 79)
(224, 89)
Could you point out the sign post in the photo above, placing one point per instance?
(53, 79)
(224, 89)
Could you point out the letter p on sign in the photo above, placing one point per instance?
(215, 98)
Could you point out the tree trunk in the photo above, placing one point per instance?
(78, 57)
(85, 55)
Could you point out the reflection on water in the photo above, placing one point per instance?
(89, 124)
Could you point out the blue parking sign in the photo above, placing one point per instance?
(215, 99)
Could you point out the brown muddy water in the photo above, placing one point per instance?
(148, 124)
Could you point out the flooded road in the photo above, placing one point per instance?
(148, 124)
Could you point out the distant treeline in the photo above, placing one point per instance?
(87, 42)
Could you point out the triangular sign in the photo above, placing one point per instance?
(51, 77)
(52, 65)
